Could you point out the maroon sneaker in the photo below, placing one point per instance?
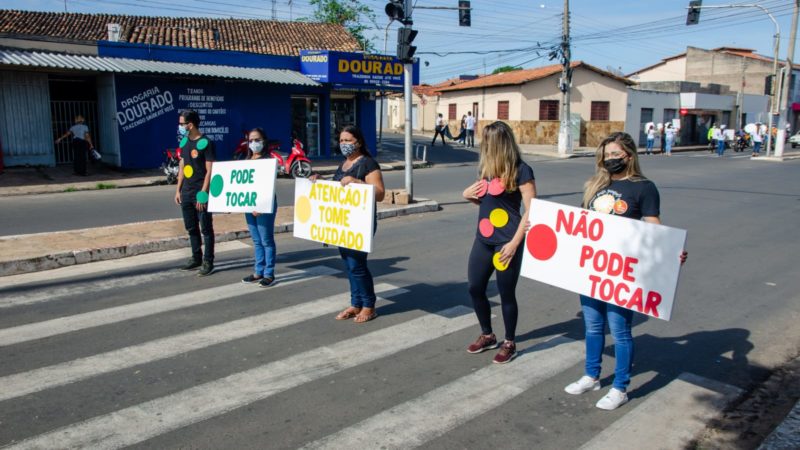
(487, 342)
(507, 352)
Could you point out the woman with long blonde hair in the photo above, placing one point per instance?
(505, 181)
(617, 187)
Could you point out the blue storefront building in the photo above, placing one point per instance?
(132, 93)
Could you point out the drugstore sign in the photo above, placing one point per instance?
(355, 70)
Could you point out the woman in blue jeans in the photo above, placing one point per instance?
(358, 167)
(617, 187)
(261, 225)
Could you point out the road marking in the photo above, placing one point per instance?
(39, 330)
(24, 383)
(669, 418)
(429, 416)
(153, 418)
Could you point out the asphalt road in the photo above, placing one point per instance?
(403, 379)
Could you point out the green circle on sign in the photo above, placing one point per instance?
(217, 183)
(202, 144)
(183, 142)
(202, 197)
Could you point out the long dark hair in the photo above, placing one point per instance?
(359, 135)
(260, 131)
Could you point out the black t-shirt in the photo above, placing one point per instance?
(499, 212)
(359, 170)
(628, 198)
(195, 154)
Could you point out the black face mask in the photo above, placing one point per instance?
(614, 166)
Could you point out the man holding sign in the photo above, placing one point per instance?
(334, 213)
(617, 265)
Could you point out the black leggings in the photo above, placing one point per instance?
(479, 271)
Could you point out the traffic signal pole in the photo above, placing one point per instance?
(408, 69)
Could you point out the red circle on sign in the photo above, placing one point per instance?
(496, 186)
(486, 228)
(542, 242)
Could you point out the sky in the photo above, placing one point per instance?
(623, 35)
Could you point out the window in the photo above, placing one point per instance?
(548, 109)
(451, 111)
(502, 110)
(670, 114)
(599, 111)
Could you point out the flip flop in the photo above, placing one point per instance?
(364, 318)
(348, 313)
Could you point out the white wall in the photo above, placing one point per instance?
(658, 101)
(672, 70)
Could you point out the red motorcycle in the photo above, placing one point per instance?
(241, 150)
(296, 163)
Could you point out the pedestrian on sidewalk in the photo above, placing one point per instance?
(719, 135)
(651, 139)
(261, 225)
(505, 181)
(469, 125)
(359, 168)
(197, 156)
(80, 145)
(438, 130)
(618, 180)
(758, 139)
(669, 134)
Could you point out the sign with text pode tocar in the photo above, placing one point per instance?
(327, 212)
(629, 263)
(242, 186)
(355, 70)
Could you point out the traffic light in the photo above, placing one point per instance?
(405, 51)
(693, 16)
(464, 16)
(396, 10)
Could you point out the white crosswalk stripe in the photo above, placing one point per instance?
(25, 383)
(39, 330)
(416, 422)
(138, 423)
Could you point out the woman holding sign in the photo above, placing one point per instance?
(617, 187)
(505, 182)
(358, 167)
(261, 225)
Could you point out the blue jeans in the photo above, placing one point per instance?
(756, 147)
(262, 229)
(720, 147)
(670, 142)
(362, 288)
(596, 314)
(650, 143)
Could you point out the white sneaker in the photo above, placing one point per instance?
(613, 400)
(586, 383)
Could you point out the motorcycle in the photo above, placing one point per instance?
(742, 142)
(296, 163)
(241, 150)
(171, 165)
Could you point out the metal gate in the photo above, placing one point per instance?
(63, 115)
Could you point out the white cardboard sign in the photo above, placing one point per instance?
(327, 212)
(242, 186)
(630, 263)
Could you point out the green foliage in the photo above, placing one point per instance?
(102, 186)
(505, 69)
(71, 189)
(352, 14)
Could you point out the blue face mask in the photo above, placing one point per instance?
(182, 130)
(347, 149)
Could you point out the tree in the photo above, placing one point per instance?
(505, 69)
(351, 14)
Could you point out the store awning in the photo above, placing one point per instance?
(24, 58)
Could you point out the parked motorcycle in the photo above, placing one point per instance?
(241, 150)
(296, 163)
(171, 165)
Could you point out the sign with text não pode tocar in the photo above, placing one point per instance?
(355, 70)
(327, 212)
(242, 186)
(629, 263)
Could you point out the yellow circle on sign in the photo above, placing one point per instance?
(498, 217)
(497, 264)
(302, 209)
(188, 171)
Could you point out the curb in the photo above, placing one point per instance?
(83, 256)
(787, 435)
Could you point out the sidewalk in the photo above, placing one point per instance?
(44, 251)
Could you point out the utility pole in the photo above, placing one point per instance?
(783, 103)
(565, 133)
(383, 93)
